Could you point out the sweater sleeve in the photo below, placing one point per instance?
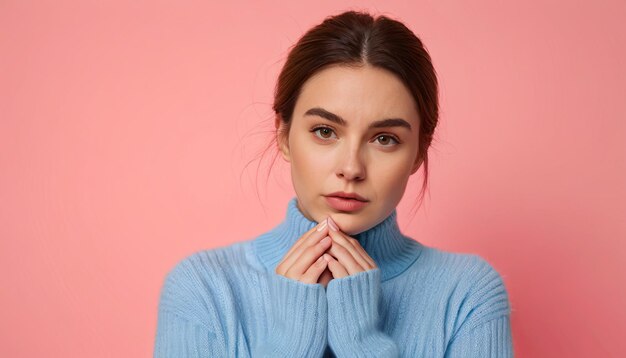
(484, 316)
(196, 317)
(298, 319)
(489, 339)
(179, 337)
(353, 319)
(186, 324)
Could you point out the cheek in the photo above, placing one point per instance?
(309, 160)
(308, 164)
(305, 161)
(389, 175)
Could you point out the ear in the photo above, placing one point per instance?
(282, 138)
(417, 164)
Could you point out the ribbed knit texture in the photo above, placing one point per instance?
(419, 302)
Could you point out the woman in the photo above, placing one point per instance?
(356, 108)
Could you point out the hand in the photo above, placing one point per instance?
(325, 277)
(346, 255)
(304, 262)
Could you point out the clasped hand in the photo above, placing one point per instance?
(314, 260)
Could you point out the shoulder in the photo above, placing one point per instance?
(467, 268)
(191, 287)
(475, 287)
(205, 262)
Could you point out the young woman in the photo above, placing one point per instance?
(356, 108)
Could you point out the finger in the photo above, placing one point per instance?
(313, 239)
(306, 241)
(335, 267)
(312, 275)
(345, 258)
(364, 254)
(351, 245)
(355, 249)
(343, 251)
(307, 258)
(325, 277)
(306, 235)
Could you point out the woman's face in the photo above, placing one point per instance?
(337, 143)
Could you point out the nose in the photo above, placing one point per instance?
(352, 166)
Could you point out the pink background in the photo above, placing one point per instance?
(125, 129)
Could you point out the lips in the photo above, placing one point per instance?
(342, 204)
(344, 195)
(347, 204)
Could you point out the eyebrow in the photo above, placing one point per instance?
(383, 123)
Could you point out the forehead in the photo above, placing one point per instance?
(358, 94)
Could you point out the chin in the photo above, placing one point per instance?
(348, 223)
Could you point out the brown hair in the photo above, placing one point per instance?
(354, 39)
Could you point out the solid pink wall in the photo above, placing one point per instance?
(125, 131)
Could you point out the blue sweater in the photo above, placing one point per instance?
(419, 302)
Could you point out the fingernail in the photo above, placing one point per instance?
(332, 224)
(322, 225)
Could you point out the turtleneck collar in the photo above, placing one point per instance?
(392, 251)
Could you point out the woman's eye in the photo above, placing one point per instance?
(384, 139)
(324, 131)
(387, 139)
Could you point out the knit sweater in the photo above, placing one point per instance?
(418, 302)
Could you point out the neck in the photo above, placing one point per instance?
(392, 251)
